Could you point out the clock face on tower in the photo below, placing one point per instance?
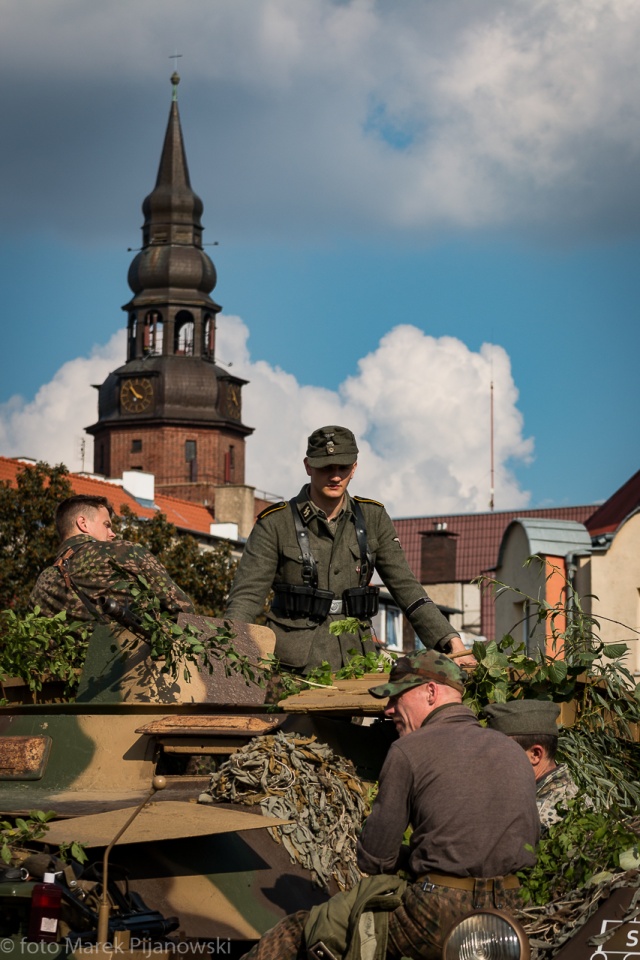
(233, 401)
(136, 394)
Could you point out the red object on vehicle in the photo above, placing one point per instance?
(46, 900)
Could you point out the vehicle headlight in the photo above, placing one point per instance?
(486, 935)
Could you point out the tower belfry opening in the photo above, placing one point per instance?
(170, 395)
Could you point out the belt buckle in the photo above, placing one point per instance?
(320, 951)
(428, 887)
(336, 606)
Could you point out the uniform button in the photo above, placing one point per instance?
(336, 570)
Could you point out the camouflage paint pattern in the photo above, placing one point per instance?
(231, 885)
(118, 668)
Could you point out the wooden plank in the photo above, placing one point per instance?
(345, 696)
(210, 724)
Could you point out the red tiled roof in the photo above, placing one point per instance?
(610, 515)
(183, 513)
(478, 535)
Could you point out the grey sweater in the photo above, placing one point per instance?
(468, 792)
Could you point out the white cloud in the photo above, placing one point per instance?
(418, 405)
(51, 426)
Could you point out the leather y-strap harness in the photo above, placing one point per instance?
(309, 565)
(63, 566)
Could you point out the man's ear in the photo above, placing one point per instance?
(306, 466)
(536, 754)
(81, 523)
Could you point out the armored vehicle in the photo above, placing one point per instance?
(93, 761)
(198, 874)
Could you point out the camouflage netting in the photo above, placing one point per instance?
(550, 926)
(297, 778)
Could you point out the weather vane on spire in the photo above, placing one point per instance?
(175, 76)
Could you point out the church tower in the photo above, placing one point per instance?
(170, 410)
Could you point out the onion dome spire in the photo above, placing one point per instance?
(172, 213)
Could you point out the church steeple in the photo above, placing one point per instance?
(170, 409)
(172, 267)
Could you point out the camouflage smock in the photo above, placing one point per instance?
(554, 788)
(272, 555)
(92, 569)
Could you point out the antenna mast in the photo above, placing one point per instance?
(492, 491)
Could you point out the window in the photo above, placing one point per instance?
(136, 446)
(152, 333)
(183, 338)
(388, 626)
(190, 450)
(208, 336)
(230, 465)
(133, 332)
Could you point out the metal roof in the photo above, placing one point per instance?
(550, 537)
(478, 535)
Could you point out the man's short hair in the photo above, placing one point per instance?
(68, 510)
(548, 743)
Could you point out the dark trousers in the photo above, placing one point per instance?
(416, 928)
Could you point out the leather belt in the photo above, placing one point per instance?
(509, 882)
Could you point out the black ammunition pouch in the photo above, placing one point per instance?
(361, 602)
(295, 601)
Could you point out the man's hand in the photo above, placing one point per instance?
(462, 656)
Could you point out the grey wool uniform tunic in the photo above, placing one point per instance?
(272, 555)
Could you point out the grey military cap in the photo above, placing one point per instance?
(332, 445)
(524, 717)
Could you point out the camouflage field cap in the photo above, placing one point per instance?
(524, 717)
(419, 668)
(332, 445)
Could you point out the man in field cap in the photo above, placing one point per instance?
(318, 553)
(533, 725)
(468, 793)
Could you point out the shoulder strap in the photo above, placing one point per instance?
(368, 500)
(62, 564)
(309, 565)
(366, 560)
(270, 509)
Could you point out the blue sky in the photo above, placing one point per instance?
(479, 182)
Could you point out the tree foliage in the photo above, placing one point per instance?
(28, 538)
(599, 746)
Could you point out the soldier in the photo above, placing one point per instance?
(89, 557)
(469, 795)
(318, 553)
(532, 724)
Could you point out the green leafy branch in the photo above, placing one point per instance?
(21, 832)
(577, 851)
(178, 646)
(37, 648)
(288, 684)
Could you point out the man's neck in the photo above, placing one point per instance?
(544, 768)
(328, 505)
